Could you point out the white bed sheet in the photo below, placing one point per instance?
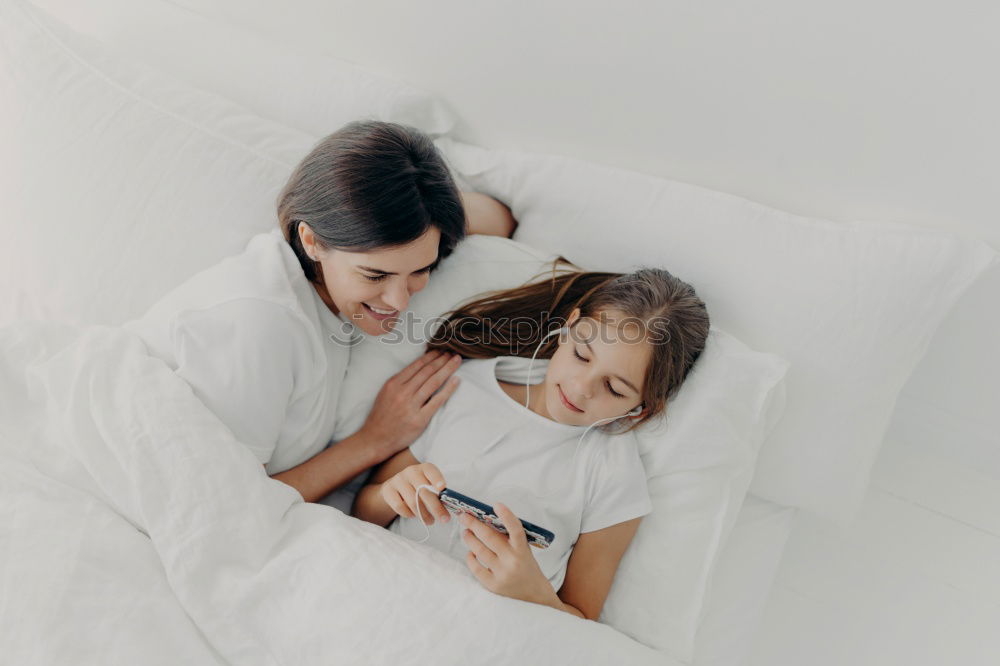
(742, 582)
(137, 529)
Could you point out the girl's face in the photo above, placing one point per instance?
(597, 371)
(373, 289)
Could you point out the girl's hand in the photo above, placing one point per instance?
(504, 563)
(400, 493)
(407, 401)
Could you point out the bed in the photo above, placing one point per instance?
(131, 540)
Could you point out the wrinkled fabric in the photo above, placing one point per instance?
(137, 529)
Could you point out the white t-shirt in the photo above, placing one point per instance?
(494, 449)
(259, 347)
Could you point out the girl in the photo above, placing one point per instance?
(626, 344)
(264, 337)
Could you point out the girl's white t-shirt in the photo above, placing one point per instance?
(259, 347)
(493, 449)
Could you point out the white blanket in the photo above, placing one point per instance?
(136, 529)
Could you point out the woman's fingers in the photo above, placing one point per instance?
(425, 373)
(440, 397)
(407, 373)
(434, 381)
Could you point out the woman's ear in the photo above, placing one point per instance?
(573, 316)
(308, 240)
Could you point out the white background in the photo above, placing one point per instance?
(853, 110)
(873, 110)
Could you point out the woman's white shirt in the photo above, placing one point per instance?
(259, 347)
(493, 449)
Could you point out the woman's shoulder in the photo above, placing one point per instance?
(264, 271)
(258, 287)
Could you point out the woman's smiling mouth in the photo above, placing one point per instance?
(378, 313)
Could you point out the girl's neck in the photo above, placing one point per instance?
(536, 396)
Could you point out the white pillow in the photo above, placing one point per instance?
(117, 183)
(699, 465)
(289, 84)
(851, 306)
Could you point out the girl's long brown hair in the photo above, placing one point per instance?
(512, 322)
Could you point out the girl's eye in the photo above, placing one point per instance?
(373, 278)
(608, 384)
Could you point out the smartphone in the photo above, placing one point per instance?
(456, 503)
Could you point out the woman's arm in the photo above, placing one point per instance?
(402, 410)
(487, 216)
(592, 567)
(332, 467)
(369, 505)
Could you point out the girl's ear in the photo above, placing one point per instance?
(573, 316)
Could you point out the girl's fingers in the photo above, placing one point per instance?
(515, 530)
(407, 373)
(434, 381)
(483, 554)
(490, 537)
(482, 574)
(430, 507)
(434, 506)
(433, 476)
(396, 503)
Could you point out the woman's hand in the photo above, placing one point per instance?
(407, 401)
(400, 493)
(503, 563)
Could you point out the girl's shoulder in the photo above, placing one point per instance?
(615, 455)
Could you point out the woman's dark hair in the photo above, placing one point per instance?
(371, 185)
(673, 317)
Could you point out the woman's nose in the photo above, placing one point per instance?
(397, 296)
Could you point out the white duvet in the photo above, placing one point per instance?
(136, 529)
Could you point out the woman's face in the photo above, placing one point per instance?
(597, 371)
(372, 289)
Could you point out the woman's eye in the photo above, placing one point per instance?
(373, 278)
(577, 354)
(614, 392)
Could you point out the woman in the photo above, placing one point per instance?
(263, 338)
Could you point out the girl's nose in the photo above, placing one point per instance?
(581, 389)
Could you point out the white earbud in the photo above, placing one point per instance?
(527, 381)
(635, 412)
